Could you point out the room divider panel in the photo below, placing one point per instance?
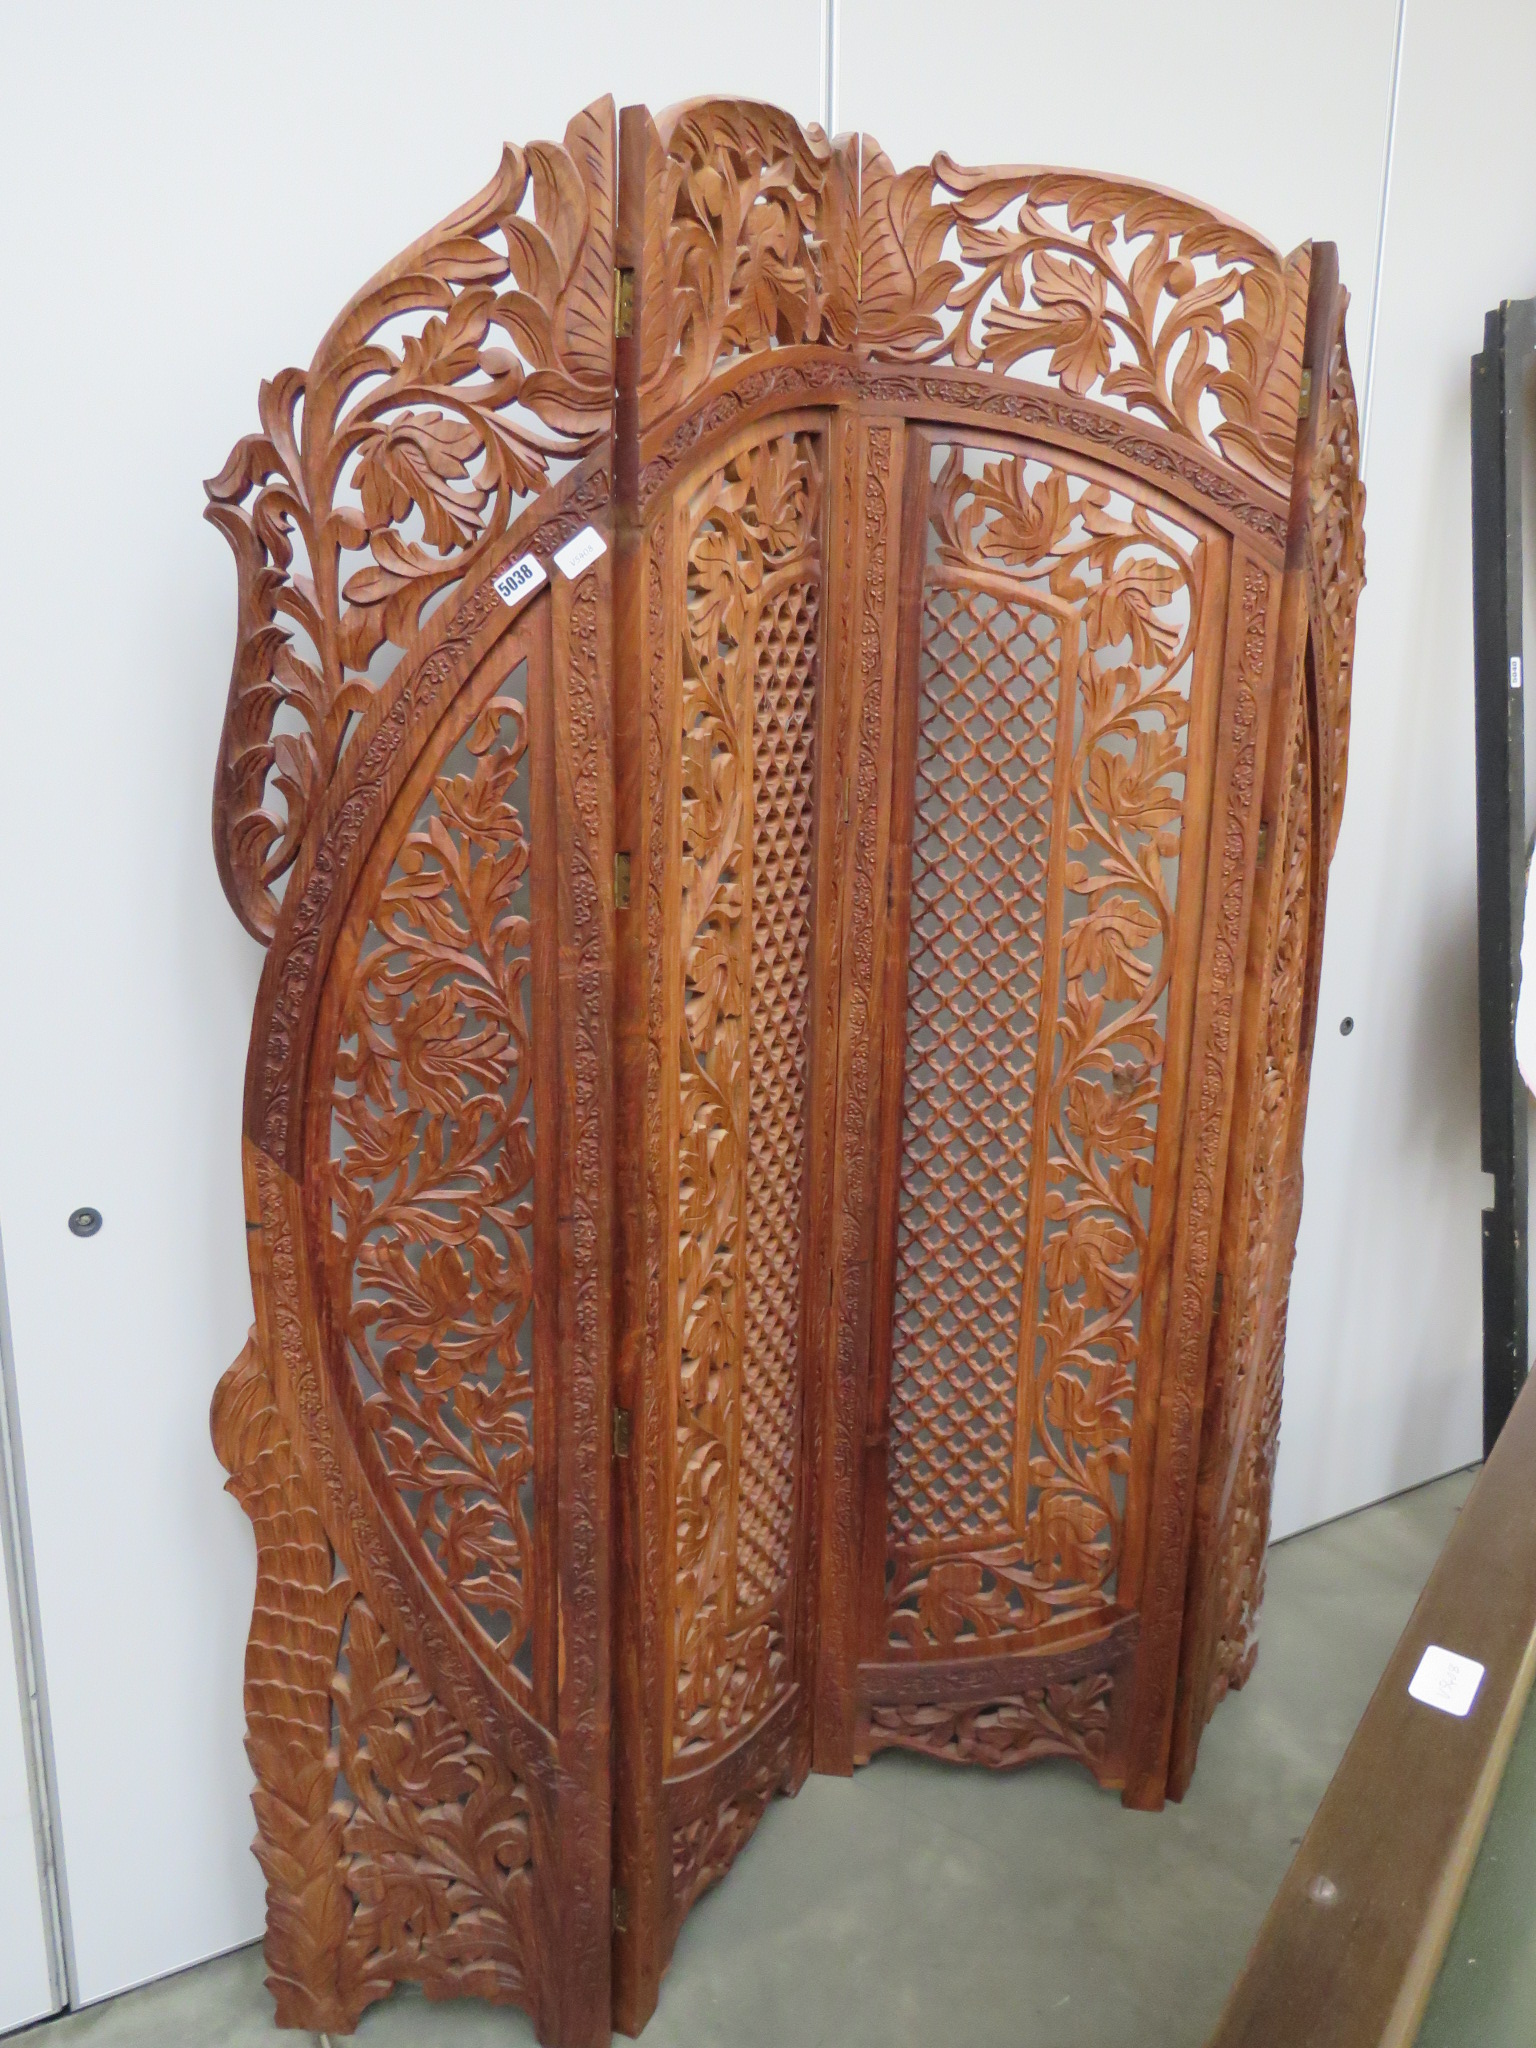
(787, 730)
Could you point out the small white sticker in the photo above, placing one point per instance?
(580, 553)
(1446, 1681)
(1514, 671)
(516, 583)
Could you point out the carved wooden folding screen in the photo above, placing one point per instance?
(787, 731)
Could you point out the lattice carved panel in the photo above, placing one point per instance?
(431, 1177)
(750, 660)
(1055, 671)
(982, 831)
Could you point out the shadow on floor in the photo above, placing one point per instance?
(921, 1906)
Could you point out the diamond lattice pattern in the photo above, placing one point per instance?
(981, 840)
(782, 817)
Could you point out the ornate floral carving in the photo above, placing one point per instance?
(437, 1835)
(750, 243)
(443, 398)
(704, 1849)
(1069, 1717)
(1336, 548)
(395, 1847)
(1127, 293)
(751, 646)
(1249, 1423)
(430, 1183)
(1032, 1084)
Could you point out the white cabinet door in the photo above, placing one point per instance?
(24, 1992)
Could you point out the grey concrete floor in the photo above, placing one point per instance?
(921, 1906)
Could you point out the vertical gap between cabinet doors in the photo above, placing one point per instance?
(21, 1585)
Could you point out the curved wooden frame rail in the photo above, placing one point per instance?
(787, 730)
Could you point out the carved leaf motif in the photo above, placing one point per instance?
(437, 1834)
(1108, 940)
(1070, 323)
(388, 470)
(1245, 1437)
(750, 245)
(431, 1182)
(1026, 527)
(1130, 294)
(1068, 1718)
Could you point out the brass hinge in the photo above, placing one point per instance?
(1221, 1288)
(621, 881)
(621, 1432)
(1304, 403)
(1263, 839)
(620, 1909)
(623, 304)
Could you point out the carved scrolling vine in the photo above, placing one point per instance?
(751, 242)
(431, 1178)
(1108, 287)
(448, 394)
(1067, 1717)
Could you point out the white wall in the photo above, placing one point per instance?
(190, 194)
(1384, 1372)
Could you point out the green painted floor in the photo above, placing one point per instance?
(1486, 1990)
(921, 1906)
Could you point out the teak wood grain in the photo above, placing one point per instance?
(773, 1119)
(1348, 1952)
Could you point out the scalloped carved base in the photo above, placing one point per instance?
(1069, 1718)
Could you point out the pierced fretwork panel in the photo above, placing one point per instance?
(431, 1176)
(750, 657)
(981, 846)
(1055, 666)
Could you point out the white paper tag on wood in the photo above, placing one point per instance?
(580, 553)
(520, 581)
(1446, 1681)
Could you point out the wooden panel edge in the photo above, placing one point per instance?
(1347, 1953)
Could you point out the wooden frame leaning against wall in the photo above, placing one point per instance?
(787, 731)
